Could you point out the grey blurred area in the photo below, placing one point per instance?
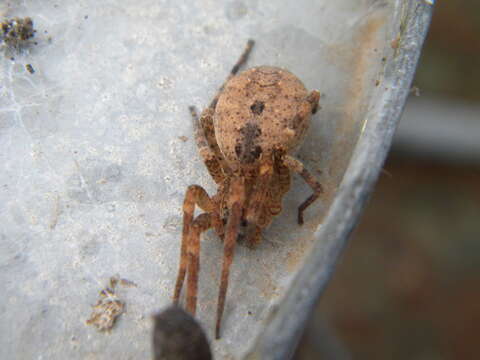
(407, 285)
(440, 129)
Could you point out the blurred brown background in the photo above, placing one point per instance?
(408, 284)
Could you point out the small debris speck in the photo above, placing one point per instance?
(106, 310)
(415, 91)
(114, 280)
(183, 138)
(30, 68)
(127, 283)
(109, 306)
(395, 43)
(17, 31)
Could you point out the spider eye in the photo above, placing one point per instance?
(257, 107)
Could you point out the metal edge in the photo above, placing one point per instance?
(286, 321)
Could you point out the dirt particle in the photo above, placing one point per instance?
(107, 309)
(415, 90)
(395, 43)
(236, 10)
(17, 32)
(30, 68)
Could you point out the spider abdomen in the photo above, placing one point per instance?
(261, 110)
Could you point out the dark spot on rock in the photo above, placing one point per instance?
(30, 68)
(16, 32)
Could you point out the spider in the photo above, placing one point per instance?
(245, 137)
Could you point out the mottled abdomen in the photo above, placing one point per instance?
(261, 110)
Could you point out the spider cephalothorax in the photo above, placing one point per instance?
(245, 138)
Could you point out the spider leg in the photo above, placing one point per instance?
(295, 165)
(195, 195)
(254, 235)
(207, 145)
(240, 62)
(243, 58)
(313, 98)
(257, 214)
(201, 224)
(278, 187)
(259, 194)
(205, 131)
(237, 198)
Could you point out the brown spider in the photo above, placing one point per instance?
(244, 137)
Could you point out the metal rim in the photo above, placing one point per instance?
(286, 321)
